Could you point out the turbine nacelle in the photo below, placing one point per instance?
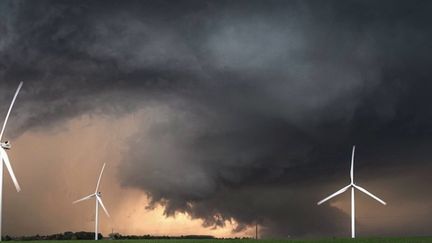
(6, 145)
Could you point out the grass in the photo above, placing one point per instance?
(339, 240)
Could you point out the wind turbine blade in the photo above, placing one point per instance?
(100, 176)
(352, 165)
(84, 198)
(334, 194)
(370, 194)
(103, 206)
(5, 158)
(10, 108)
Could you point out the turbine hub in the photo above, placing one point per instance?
(6, 145)
(99, 194)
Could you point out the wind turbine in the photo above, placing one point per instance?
(353, 186)
(97, 196)
(5, 158)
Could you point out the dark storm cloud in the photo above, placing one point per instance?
(259, 101)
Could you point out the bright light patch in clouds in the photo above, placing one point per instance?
(59, 165)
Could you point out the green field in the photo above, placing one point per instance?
(360, 240)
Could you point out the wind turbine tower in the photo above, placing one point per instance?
(353, 186)
(97, 195)
(5, 158)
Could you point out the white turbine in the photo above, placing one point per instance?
(4, 157)
(352, 186)
(97, 196)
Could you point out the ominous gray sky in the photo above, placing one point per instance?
(238, 111)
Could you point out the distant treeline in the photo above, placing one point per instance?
(117, 236)
(60, 236)
(90, 236)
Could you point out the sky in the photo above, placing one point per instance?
(213, 116)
